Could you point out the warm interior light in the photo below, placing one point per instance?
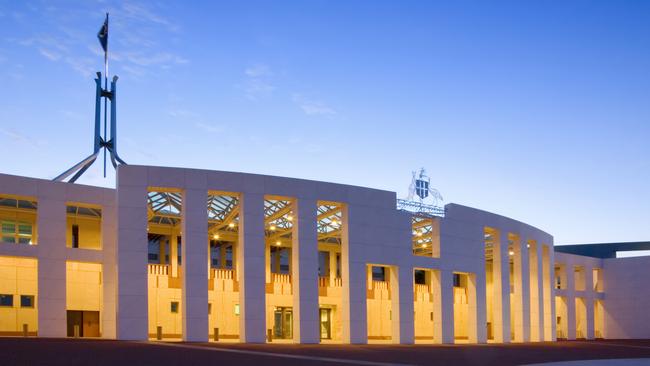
(278, 243)
(419, 233)
(289, 218)
(232, 224)
(424, 245)
(511, 252)
(272, 227)
(215, 236)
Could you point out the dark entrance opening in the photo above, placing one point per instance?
(83, 323)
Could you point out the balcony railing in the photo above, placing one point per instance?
(280, 278)
(159, 269)
(222, 273)
(325, 282)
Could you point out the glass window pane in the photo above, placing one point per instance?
(26, 301)
(8, 227)
(25, 229)
(6, 300)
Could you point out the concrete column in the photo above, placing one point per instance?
(173, 253)
(548, 319)
(250, 265)
(195, 266)
(162, 252)
(518, 303)
(447, 302)
(589, 301)
(571, 302)
(525, 289)
(332, 269)
(478, 281)
(505, 287)
(551, 281)
(437, 306)
(540, 290)
(132, 285)
(402, 304)
(304, 272)
(109, 271)
(354, 318)
(51, 297)
(589, 304)
(534, 298)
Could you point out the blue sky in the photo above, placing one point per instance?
(537, 110)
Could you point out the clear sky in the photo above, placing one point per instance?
(537, 110)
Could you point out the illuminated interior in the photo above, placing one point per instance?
(426, 235)
(83, 227)
(278, 231)
(18, 220)
(18, 296)
(464, 307)
(379, 302)
(427, 306)
(561, 318)
(493, 288)
(223, 280)
(84, 299)
(330, 228)
(165, 264)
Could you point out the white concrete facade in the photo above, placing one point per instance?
(521, 296)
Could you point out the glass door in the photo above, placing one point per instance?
(283, 323)
(325, 323)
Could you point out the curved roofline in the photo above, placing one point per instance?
(451, 204)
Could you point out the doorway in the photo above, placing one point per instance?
(283, 323)
(325, 323)
(83, 323)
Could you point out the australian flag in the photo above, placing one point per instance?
(102, 35)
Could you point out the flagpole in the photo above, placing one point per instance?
(106, 88)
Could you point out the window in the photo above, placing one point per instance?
(457, 280)
(83, 227)
(75, 236)
(6, 300)
(419, 277)
(236, 309)
(426, 236)
(16, 232)
(26, 301)
(209, 308)
(378, 273)
(174, 307)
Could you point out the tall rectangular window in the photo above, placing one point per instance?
(83, 226)
(426, 236)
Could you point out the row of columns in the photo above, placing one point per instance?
(533, 302)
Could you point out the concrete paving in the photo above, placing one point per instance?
(70, 352)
